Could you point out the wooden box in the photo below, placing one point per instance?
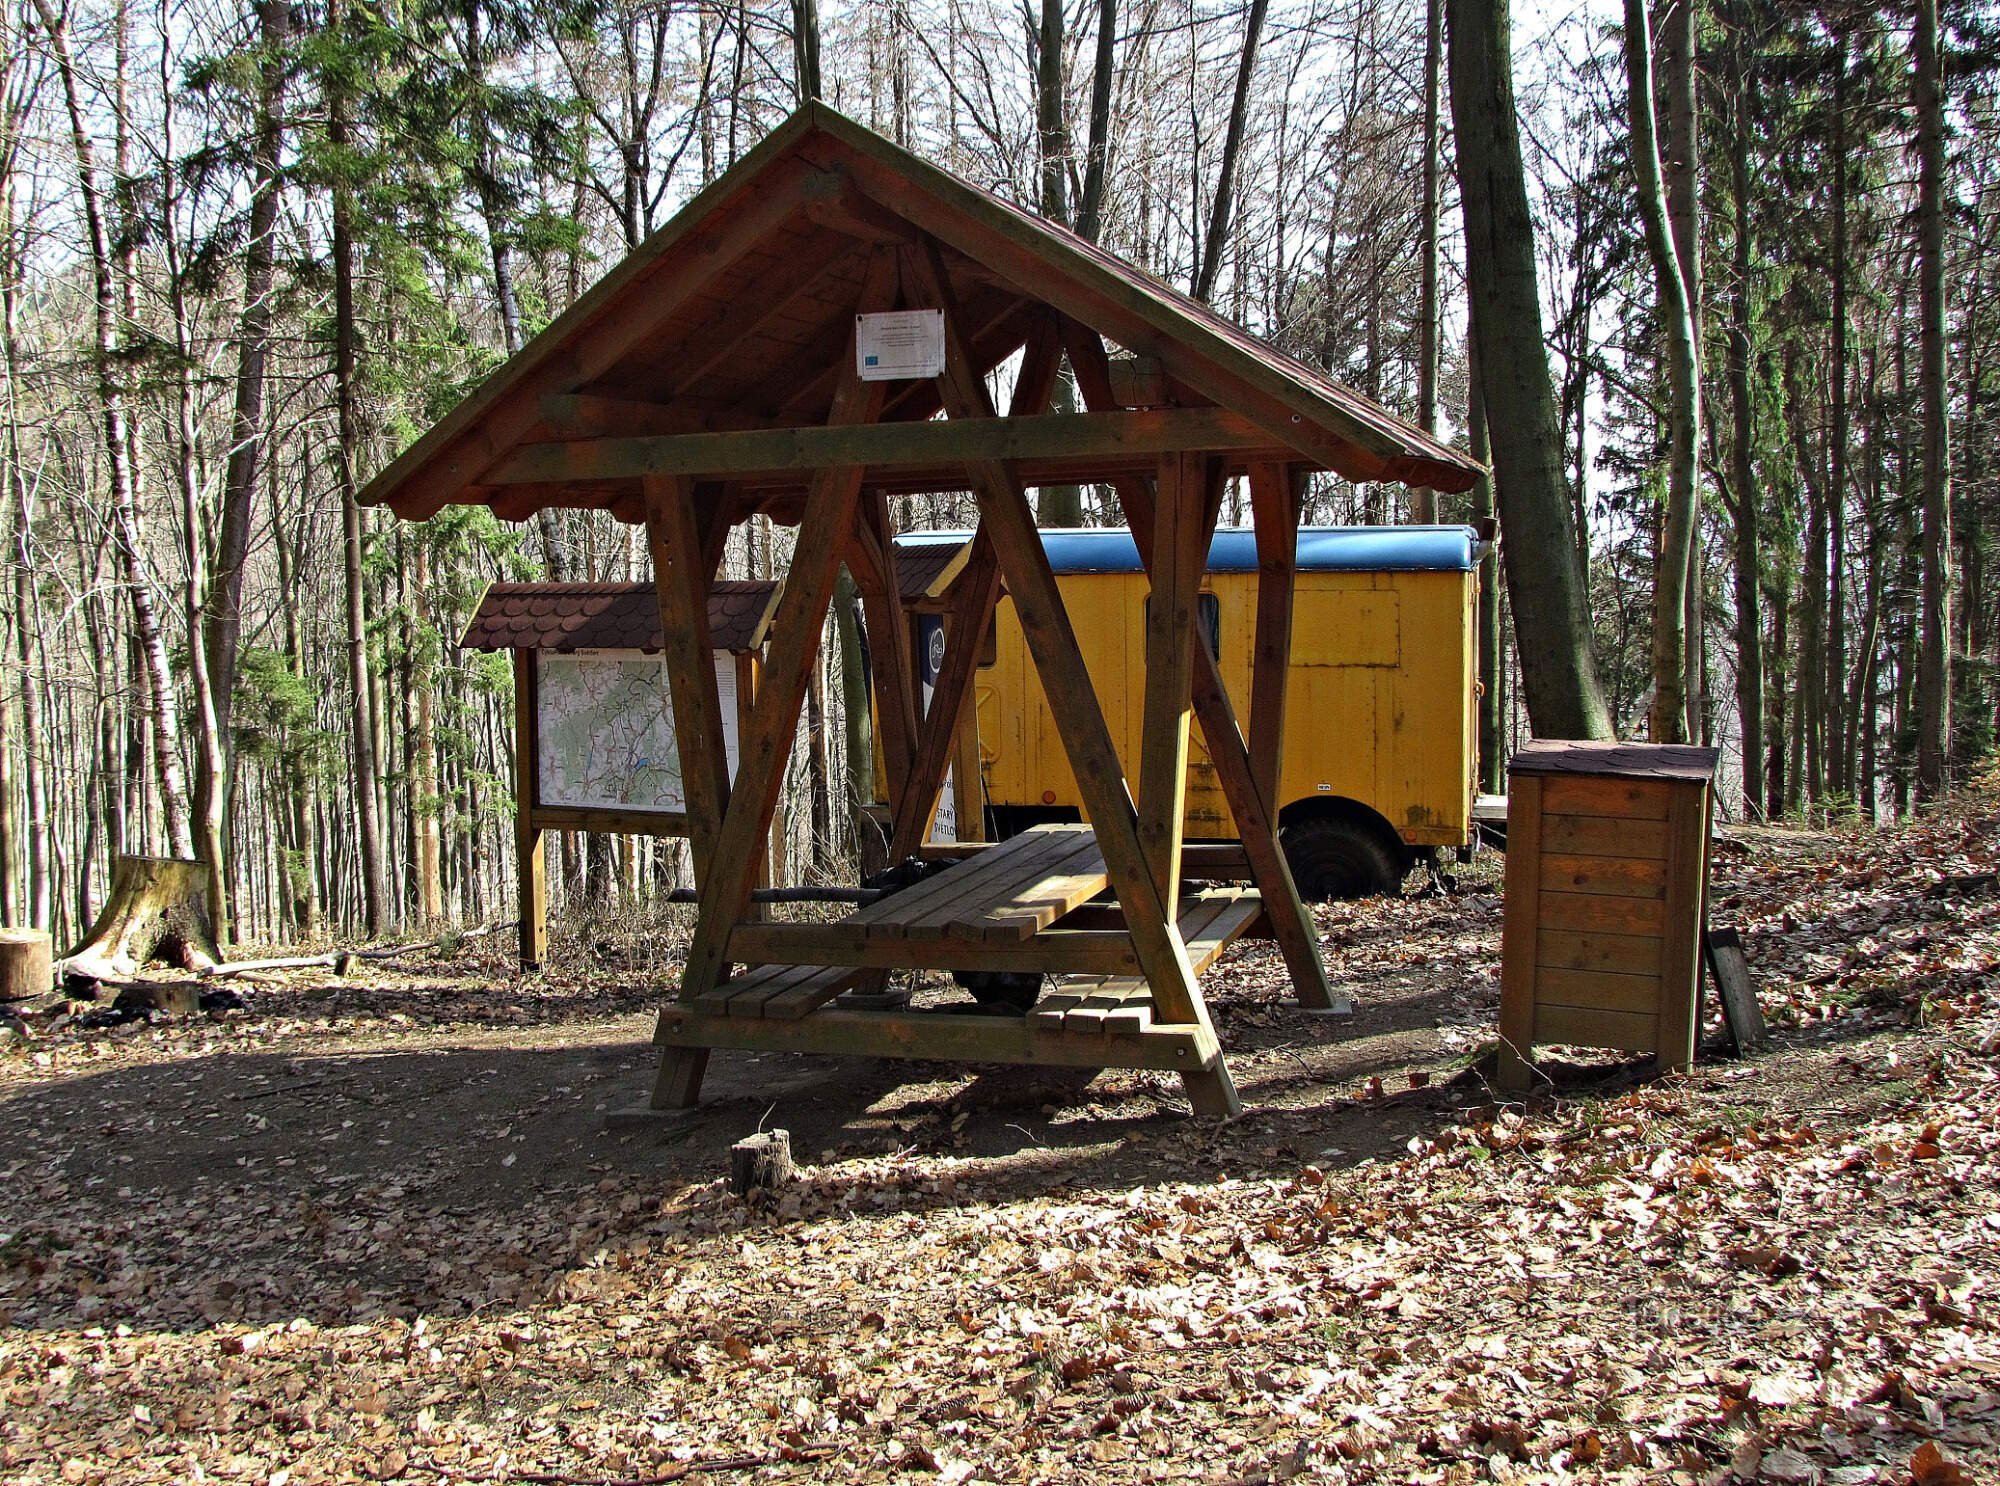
(1607, 870)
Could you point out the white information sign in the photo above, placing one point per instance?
(605, 726)
(897, 345)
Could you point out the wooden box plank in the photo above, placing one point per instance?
(1631, 799)
(1624, 876)
(1622, 954)
(1592, 1026)
(1604, 913)
(1595, 988)
(1605, 836)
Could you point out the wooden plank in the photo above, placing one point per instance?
(614, 822)
(1605, 836)
(1179, 556)
(888, 649)
(1255, 818)
(1002, 863)
(1116, 1004)
(943, 1036)
(1121, 438)
(681, 582)
(1051, 952)
(1275, 493)
(983, 888)
(1740, 1011)
(1626, 799)
(1583, 1026)
(1609, 992)
(1521, 909)
(1603, 913)
(1234, 915)
(811, 989)
(1688, 810)
(530, 860)
(1621, 876)
(1625, 954)
(1033, 906)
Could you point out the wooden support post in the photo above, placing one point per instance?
(974, 595)
(746, 698)
(530, 865)
(1276, 499)
(1093, 758)
(968, 777)
(681, 580)
(1255, 818)
(888, 648)
(1181, 533)
(831, 507)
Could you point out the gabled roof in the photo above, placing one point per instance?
(733, 316)
(1321, 549)
(609, 616)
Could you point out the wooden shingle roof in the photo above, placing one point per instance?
(608, 616)
(712, 352)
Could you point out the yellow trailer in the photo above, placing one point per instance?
(1380, 757)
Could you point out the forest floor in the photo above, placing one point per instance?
(378, 1228)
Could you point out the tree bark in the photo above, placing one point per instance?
(1746, 511)
(1675, 311)
(1544, 581)
(1222, 209)
(1423, 499)
(367, 795)
(1934, 655)
(1097, 154)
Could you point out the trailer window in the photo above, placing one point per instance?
(1207, 617)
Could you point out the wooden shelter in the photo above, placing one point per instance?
(721, 371)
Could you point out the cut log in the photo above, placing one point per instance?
(157, 911)
(27, 965)
(764, 1160)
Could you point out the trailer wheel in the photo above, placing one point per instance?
(1335, 858)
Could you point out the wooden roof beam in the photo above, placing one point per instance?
(885, 447)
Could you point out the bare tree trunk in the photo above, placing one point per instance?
(1423, 500)
(1544, 582)
(1097, 155)
(158, 688)
(1222, 208)
(367, 796)
(1934, 654)
(1675, 309)
(1492, 668)
(1680, 166)
(1746, 511)
(1840, 765)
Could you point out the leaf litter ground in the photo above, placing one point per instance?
(378, 1229)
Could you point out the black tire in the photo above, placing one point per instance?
(1333, 858)
(1002, 991)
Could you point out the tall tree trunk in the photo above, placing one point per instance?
(367, 788)
(1840, 764)
(157, 691)
(1222, 208)
(1747, 509)
(1492, 669)
(805, 54)
(1675, 311)
(1544, 583)
(1934, 655)
(1423, 500)
(1680, 163)
(1097, 153)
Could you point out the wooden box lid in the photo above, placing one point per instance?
(1679, 763)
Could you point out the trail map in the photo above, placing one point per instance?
(606, 725)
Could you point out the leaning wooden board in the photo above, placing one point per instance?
(1607, 867)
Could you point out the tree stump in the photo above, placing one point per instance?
(157, 910)
(27, 966)
(764, 1160)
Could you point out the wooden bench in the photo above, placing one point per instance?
(780, 992)
(1209, 923)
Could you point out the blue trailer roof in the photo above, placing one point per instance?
(1322, 549)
